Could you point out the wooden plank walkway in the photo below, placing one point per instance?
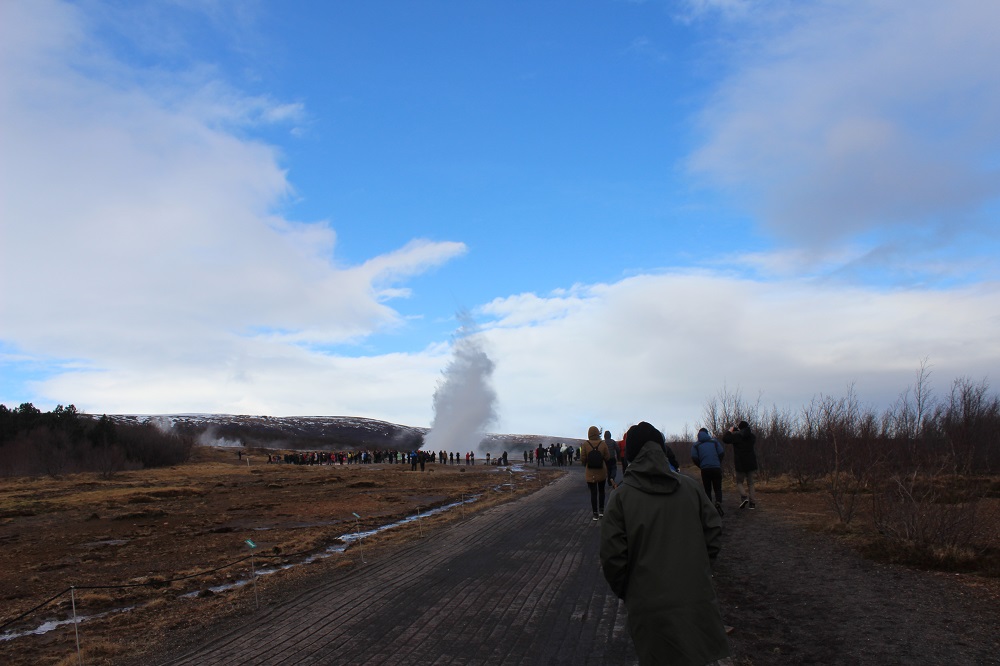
(515, 584)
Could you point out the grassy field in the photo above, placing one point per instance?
(156, 541)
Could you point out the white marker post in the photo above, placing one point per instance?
(76, 624)
(253, 571)
(361, 545)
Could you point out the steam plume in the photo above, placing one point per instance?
(464, 402)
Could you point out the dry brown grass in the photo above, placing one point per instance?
(155, 528)
(982, 556)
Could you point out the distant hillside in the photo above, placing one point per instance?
(318, 432)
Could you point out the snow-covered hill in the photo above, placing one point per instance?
(316, 432)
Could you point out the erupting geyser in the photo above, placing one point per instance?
(464, 402)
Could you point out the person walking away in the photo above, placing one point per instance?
(672, 459)
(612, 460)
(744, 461)
(621, 450)
(707, 454)
(596, 471)
(659, 540)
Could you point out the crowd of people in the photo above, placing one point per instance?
(556, 454)
(416, 458)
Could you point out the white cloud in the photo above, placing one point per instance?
(844, 117)
(657, 347)
(139, 234)
(650, 348)
(262, 377)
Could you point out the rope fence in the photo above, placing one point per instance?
(124, 586)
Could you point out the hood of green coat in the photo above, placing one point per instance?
(650, 471)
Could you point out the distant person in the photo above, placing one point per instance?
(621, 450)
(672, 459)
(595, 456)
(707, 454)
(744, 461)
(612, 459)
(659, 540)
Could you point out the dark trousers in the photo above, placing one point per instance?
(712, 478)
(596, 490)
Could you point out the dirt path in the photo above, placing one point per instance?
(795, 597)
(520, 584)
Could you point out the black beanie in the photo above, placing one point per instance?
(638, 435)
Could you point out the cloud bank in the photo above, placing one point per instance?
(143, 243)
(846, 119)
(657, 347)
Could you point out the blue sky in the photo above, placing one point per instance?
(279, 207)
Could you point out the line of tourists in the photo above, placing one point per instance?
(660, 538)
(661, 533)
(601, 461)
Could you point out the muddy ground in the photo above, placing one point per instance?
(796, 590)
(144, 540)
(791, 583)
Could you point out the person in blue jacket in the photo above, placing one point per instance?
(707, 454)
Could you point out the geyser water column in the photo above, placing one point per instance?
(464, 402)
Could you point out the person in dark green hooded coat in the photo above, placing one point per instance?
(659, 538)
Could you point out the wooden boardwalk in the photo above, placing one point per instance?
(515, 584)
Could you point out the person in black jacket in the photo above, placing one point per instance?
(744, 460)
